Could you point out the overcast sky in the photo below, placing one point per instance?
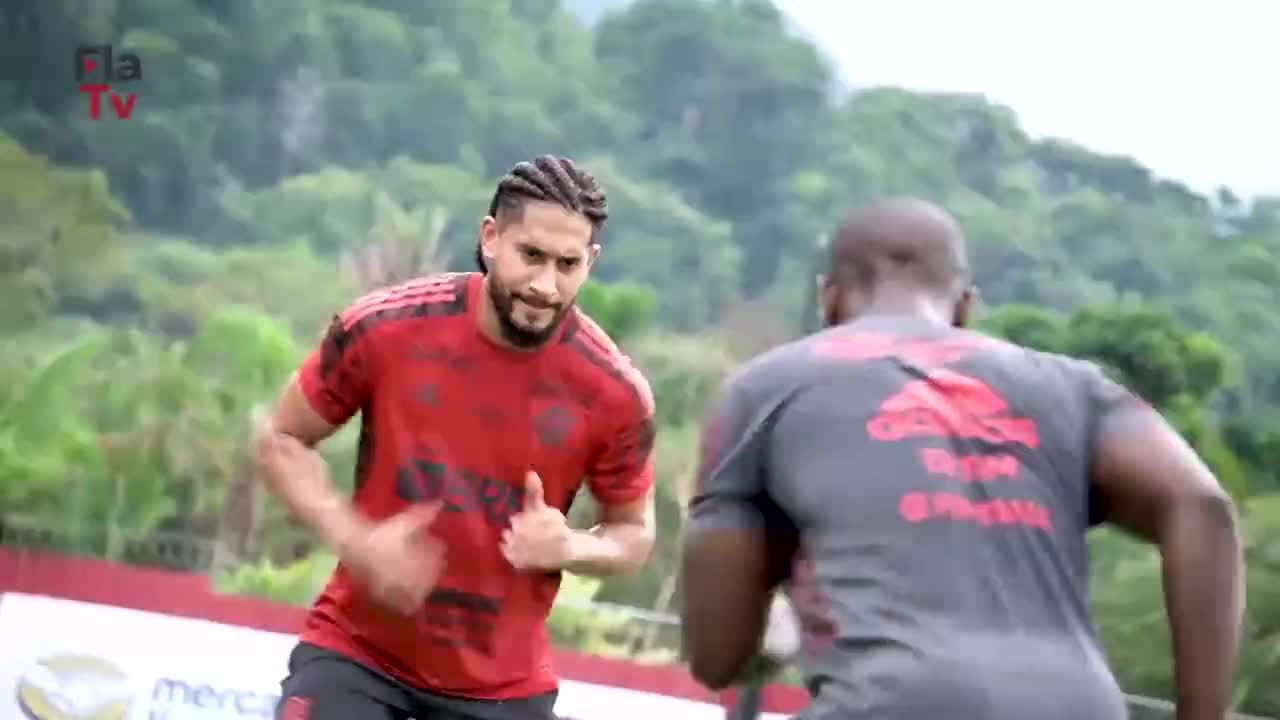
(1188, 87)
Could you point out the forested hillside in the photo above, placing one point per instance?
(162, 275)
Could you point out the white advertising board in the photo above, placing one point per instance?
(67, 660)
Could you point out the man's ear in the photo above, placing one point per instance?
(832, 303)
(488, 238)
(593, 254)
(963, 313)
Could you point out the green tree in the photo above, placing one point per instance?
(57, 227)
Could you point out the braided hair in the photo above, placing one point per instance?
(549, 178)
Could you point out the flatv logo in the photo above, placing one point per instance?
(97, 67)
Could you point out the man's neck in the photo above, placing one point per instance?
(913, 305)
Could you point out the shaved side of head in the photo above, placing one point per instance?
(892, 251)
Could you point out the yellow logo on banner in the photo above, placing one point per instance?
(74, 687)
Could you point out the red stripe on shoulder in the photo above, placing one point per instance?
(443, 294)
(598, 339)
(590, 339)
(639, 385)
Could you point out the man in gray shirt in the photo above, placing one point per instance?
(938, 483)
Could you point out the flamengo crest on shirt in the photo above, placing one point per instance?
(96, 67)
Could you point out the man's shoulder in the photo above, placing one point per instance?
(613, 375)
(776, 371)
(1075, 370)
(1062, 380)
(1095, 381)
(436, 295)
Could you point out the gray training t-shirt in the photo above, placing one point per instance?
(938, 482)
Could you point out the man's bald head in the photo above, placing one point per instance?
(900, 248)
(900, 241)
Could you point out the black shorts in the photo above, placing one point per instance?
(323, 685)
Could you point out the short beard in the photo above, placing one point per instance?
(504, 306)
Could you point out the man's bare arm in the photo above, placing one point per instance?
(1148, 481)
(288, 464)
(620, 543)
(621, 483)
(739, 545)
(727, 578)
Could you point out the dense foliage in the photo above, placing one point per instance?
(162, 275)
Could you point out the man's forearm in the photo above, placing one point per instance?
(610, 549)
(1204, 595)
(299, 477)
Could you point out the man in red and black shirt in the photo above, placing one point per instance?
(485, 400)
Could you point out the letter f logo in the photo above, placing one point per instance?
(86, 61)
